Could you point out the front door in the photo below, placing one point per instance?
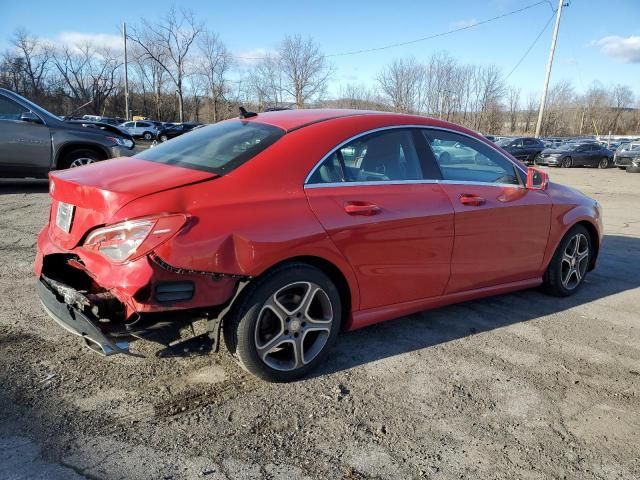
(394, 227)
(501, 228)
(25, 147)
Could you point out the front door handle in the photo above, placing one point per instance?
(471, 200)
(361, 208)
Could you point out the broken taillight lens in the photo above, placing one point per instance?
(132, 239)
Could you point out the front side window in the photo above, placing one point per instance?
(378, 157)
(217, 148)
(10, 110)
(464, 159)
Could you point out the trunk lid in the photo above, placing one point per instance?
(98, 191)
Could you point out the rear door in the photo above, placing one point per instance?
(393, 226)
(25, 147)
(501, 228)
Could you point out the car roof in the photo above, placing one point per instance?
(293, 119)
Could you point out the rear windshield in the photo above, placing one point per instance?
(217, 148)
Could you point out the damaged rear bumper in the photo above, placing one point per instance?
(75, 321)
(109, 305)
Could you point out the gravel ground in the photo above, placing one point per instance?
(516, 386)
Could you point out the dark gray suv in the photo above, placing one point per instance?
(33, 141)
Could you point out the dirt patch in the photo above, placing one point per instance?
(515, 386)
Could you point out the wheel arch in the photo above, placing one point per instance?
(595, 240)
(67, 148)
(333, 272)
(593, 234)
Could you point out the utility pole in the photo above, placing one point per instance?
(126, 75)
(547, 75)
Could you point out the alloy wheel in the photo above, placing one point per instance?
(566, 162)
(604, 163)
(293, 326)
(575, 259)
(79, 162)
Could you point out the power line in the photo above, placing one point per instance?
(531, 46)
(422, 39)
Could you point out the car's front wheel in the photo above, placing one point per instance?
(604, 163)
(566, 162)
(285, 323)
(570, 263)
(148, 136)
(79, 158)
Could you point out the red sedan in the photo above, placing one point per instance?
(284, 228)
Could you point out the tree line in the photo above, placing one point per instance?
(180, 70)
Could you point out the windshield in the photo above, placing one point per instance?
(217, 148)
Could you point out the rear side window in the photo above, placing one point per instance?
(217, 148)
(378, 157)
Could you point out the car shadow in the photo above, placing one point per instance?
(616, 272)
(17, 186)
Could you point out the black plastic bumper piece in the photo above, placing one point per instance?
(76, 322)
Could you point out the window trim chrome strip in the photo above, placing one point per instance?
(385, 182)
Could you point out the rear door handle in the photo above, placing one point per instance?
(471, 200)
(361, 208)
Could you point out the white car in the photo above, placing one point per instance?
(144, 129)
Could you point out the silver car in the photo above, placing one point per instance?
(144, 129)
(626, 155)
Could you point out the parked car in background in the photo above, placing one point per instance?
(525, 149)
(141, 129)
(169, 131)
(576, 154)
(34, 141)
(626, 154)
(288, 227)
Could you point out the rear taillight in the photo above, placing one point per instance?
(132, 239)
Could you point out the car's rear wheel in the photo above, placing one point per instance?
(285, 323)
(164, 138)
(566, 162)
(79, 158)
(148, 136)
(604, 163)
(570, 263)
(536, 159)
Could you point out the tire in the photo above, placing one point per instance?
(566, 162)
(148, 136)
(562, 278)
(603, 163)
(163, 138)
(633, 169)
(260, 330)
(535, 159)
(622, 168)
(79, 157)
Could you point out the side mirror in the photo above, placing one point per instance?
(537, 179)
(30, 117)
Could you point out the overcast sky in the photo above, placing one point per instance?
(599, 40)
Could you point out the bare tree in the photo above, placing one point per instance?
(266, 81)
(215, 65)
(89, 74)
(305, 70)
(169, 44)
(513, 100)
(36, 56)
(401, 83)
